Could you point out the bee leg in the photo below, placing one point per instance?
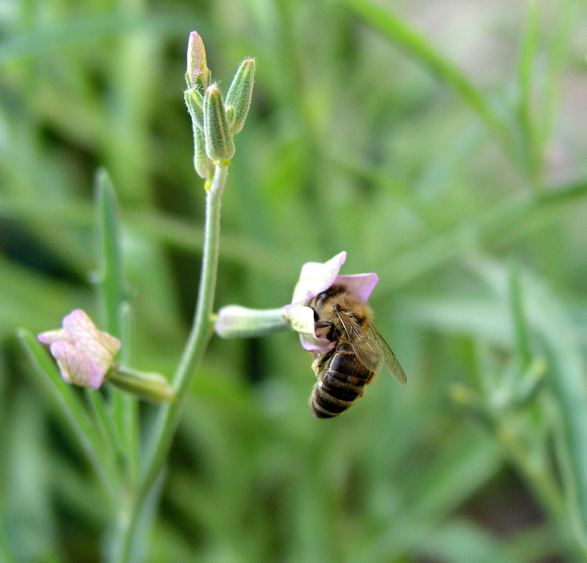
(316, 366)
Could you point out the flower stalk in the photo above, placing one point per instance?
(166, 419)
(86, 355)
(149, 386)
(234, 321)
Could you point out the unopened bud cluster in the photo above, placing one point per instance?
(215, 119)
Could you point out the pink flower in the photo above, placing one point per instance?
(83, 353)
(315, 278)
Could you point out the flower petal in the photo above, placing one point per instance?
(75, 366)
(316, 277)
(301, 319)
(100, 347)
(359, 285)
(315, 344)
(51, 336)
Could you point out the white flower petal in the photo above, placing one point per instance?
(316, 277)
(75, 366)
(359, 285)
(315, 344)
(50, 336)
(100, 347)
(301, 319)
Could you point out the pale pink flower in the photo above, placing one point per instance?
(83, 353)
(315, 278)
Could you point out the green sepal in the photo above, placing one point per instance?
(240, 93)
(195, 104)
(219, 141)
(202, 164)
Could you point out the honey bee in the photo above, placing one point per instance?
(358, 352)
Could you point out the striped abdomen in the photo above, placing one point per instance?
(341, 380)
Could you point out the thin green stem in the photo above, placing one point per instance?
(165, 423)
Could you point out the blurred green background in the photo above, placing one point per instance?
(441, 143)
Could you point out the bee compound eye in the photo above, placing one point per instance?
(322, 296)
(315, 315)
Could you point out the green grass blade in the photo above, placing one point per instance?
(518, 315)
(156, 227)
(566, 378)
(110, 280)
(69, 408)
(507, 220)
(113, 297)
(461, 468)
(569, 386)
(551, 85)
(525, 93)
(391, 27)
(75, 32)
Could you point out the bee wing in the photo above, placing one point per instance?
(370, 347)
(389, 358)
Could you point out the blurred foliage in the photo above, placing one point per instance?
(441, 143)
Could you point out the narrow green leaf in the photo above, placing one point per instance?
(566, 378)
(462, 541)
(110, 280)
(113, 297)
(509, 219)
(391, 27)
(159, 228)
(550, 87)
(518, 316)
(525, 92)
(459, 469)
(69, 408)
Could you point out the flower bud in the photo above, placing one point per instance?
(240, 93)
(83, 353)
(194, 102)
(219, 142)
(198, 73)
(202, 163)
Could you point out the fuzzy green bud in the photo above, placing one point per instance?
(202, 164)
(197, 73)
(240, 93)
(219, 142)
(195, 102)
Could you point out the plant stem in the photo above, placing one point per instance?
(165, 423)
